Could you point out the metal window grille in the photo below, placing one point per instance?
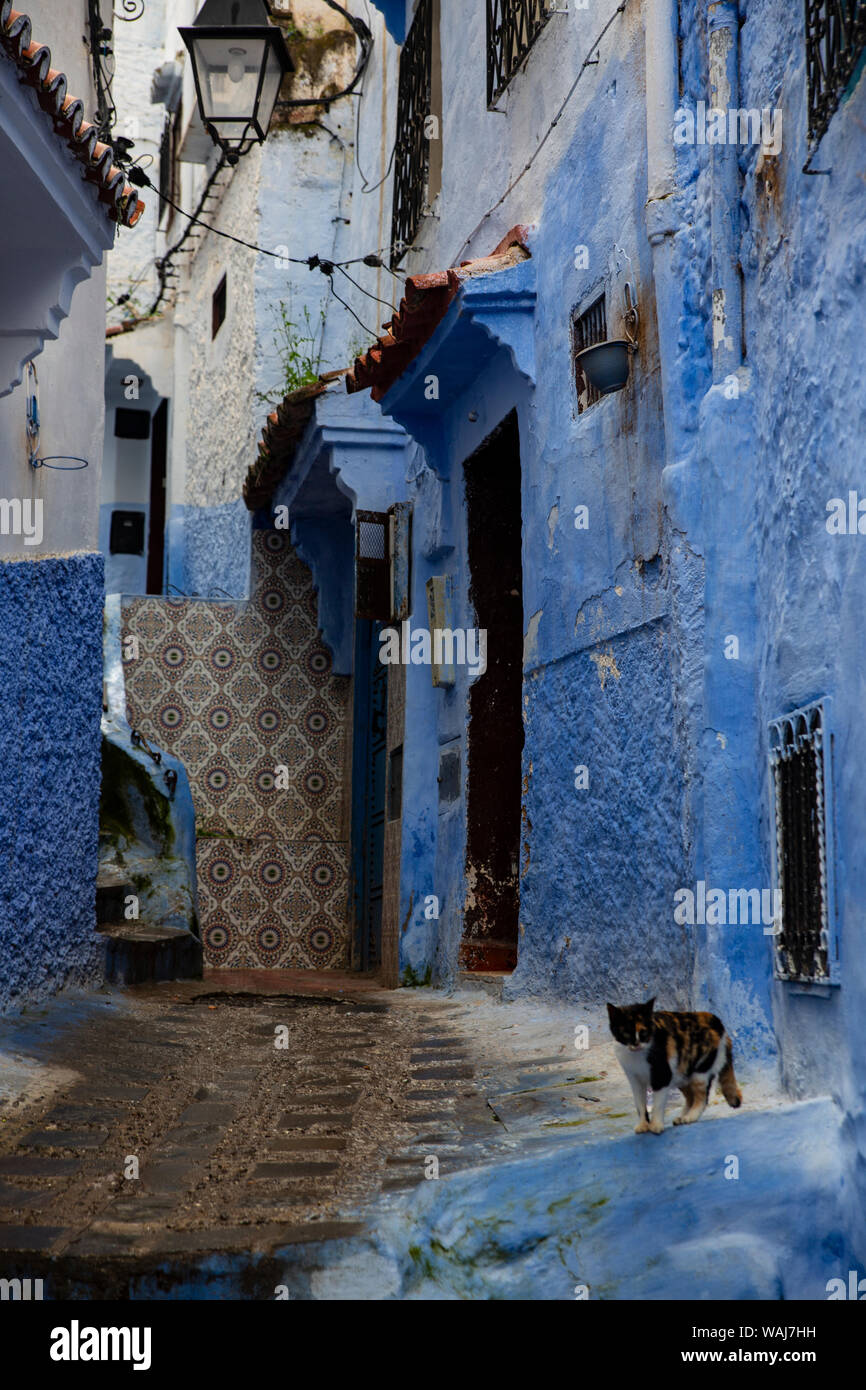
(168, 168)
(512, 28)
(800, 759)
(835, 39)
(412, 147)
(372, 567)
(587, 329)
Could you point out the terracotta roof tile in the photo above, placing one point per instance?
(33, 61)
(422, 309)
(281, 436)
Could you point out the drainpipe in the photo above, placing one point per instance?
(724, 75)
(661, 212)
(736, 966)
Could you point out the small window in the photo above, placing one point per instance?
(512, 28)
(131, 424)
(127, 533)
(587, 329)
(220, 302)
(449, 776)
(801, 764)
(835, 39)
(372, 567)
(168, 167)
(412, 142)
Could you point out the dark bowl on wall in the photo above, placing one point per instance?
(605, 365)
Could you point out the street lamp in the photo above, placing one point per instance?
(239, 60)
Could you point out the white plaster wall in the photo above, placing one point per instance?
(482, 151)
(70, 368)
(62, 24)
(218, 400)
(139, 48)
(375, 115)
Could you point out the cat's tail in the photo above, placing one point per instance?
(727, 1081)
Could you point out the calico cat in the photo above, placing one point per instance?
(665, 1050)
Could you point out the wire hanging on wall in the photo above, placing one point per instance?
(72, 463)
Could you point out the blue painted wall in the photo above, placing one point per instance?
(51, 678)
(209, 550)
(716, 527)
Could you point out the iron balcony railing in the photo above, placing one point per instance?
(512, 28)
(835, 40)
(412, 146)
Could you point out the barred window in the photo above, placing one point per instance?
(168, 170)
(372, 566)
(512, 28)
(801, 764)
(412, 144)
(835, 40)
(587, 329)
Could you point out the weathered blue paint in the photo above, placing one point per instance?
(580, 1220)
(706, 519)
(208, 550)
(51, 679)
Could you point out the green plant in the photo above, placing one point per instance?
(299, 349)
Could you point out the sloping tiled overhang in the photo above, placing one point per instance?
(424, 306)
(33, 61)
(283, 432)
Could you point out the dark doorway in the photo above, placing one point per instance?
(156, 530)
(369, 780)
(493, 515)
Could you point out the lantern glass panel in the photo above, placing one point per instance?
(228, 72)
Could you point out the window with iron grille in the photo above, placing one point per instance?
(168, 168)
(372, 566)
(512, 28)
(412, 144)
(587, 329)
(835, 40)
(801, 764)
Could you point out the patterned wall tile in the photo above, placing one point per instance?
(238, 691)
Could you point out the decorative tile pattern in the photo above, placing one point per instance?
(244, 694)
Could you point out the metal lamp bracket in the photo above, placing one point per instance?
(619, 272)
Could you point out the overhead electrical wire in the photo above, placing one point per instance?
(588, 62)
(365, 38)
(326, 265)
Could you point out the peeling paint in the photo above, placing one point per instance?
(530, 640)
(606, 664)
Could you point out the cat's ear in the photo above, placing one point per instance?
(612, 1012)
(648, 1006)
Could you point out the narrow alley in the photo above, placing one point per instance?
(431, 667)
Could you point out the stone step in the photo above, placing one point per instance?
(137, 952)
(112, 889)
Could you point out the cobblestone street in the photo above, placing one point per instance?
(311, 1136)
(255, 1117)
